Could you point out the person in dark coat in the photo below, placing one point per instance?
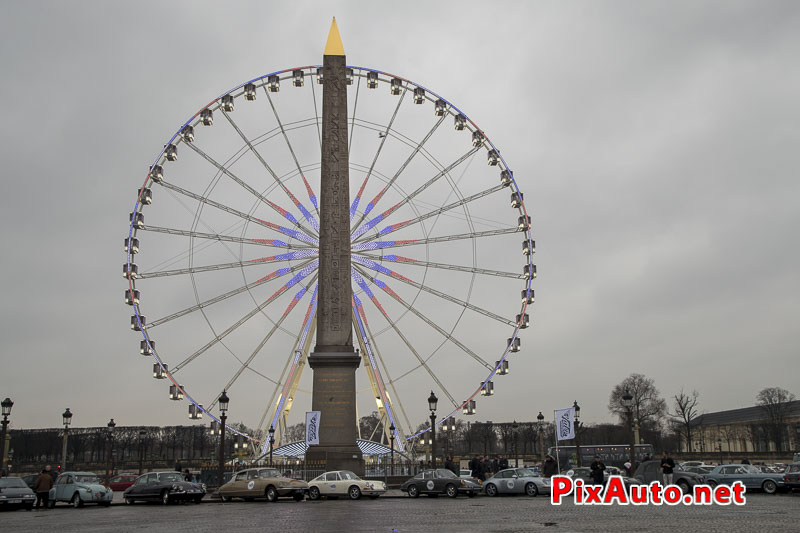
(503, 463)
(549, 467)
(598, 469)
(187, 476)
(473, 466)
(42, 488)
(450, 465)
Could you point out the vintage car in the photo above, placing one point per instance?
(79, 488)
(15, 494)
(516, 481)
(344, 483)
(750, 475)
(120, 482)
(791, 477)
(166, 487)
(262, 483)
(439, 481)
(649, 471)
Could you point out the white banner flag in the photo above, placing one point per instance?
(312, 427)
(565, 423)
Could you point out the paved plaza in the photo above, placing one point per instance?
(764, 513)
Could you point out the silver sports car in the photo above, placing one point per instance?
(516, 481)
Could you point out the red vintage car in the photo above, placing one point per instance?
(120, 482)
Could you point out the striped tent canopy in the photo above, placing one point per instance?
(367, 447)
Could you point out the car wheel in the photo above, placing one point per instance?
(224, 498)
(531, 489)
(770, 487)
(165, 497)
(491, 489)
(298, 497)
(313, 493)
(76, 501)
(272, 494)
(354, 492)
(451, 491)
(712, 483)
(684, 486)
(413, 491)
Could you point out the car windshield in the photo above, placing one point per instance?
(87, 478)
(525, 472)
(447, 474)
(169, 478)
(346, 474)
(12, 482)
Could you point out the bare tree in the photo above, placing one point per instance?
(648, 405)
(684, 411)
(774, 401)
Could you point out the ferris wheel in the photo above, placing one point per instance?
(222, 251)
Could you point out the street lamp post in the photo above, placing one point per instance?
(391, 443)
(142, 435)
(271, 442)
(577, 431)
(7, 404)
(514, 427)
(110, 445)
(432, 403)
(66, 417)
(719, 446)
(223, 409)
(540, 426)
(627, 403)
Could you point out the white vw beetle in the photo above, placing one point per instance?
(344, 483)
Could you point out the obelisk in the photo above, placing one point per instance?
(334, 360)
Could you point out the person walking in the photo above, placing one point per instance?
(667, 464)
(628, 468)
(450, 465)
(42, 488)
(549, 467)
(598, 470)
(503, 463)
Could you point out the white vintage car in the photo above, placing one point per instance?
(344, 483)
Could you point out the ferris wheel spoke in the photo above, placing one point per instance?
(309, 218)
(227, 238)
(383, 136)
(377, 219)
(436, 212)
(294, 156)
(383, 245)
(374, 202)
(461, 303)
(449, 336)
(359, 279)
(297, 278)
(202, 305)
(297, 297)
(444, 266)
(288, 256)
(281, 211)
(222, 207)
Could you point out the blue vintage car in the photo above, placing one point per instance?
(78, 488)
(751, 477)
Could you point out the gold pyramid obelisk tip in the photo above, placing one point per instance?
(334, 45)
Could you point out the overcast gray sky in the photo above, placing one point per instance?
(656, 143)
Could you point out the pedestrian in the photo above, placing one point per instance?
(473, 466)
(598, 470)
(745, 461)
(450, 465)
(628, 466)
(495, 463)
(549, 467)
(187, 476)
(503, 463)
(667, 464)
(42, 488)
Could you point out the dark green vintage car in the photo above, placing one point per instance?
(439, 481)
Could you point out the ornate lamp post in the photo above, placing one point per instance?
(66, 417)
(271, 443)
(391, 444)
(577, 431)
(110, 444)
(7, 404)
(514, 427)
(223, 409)
(432, 403)
(142, 435)
(627, 403)
(540, 427)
